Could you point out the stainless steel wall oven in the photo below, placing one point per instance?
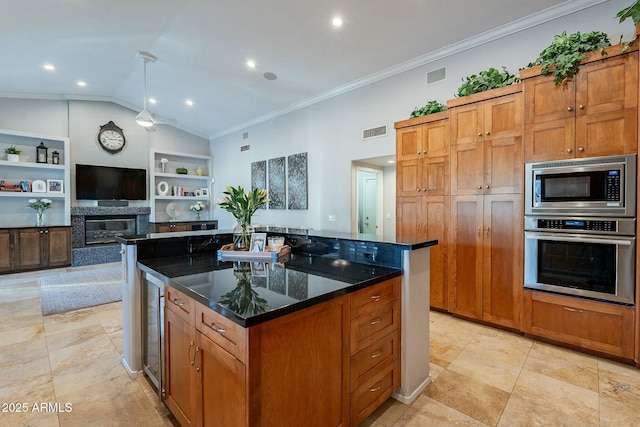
(580, 227)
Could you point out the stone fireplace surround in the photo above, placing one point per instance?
(99, 254)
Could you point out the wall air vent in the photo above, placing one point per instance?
(436, 75)
(245, 148)
(374, 132)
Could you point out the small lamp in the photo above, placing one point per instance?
(41, 150)
(55, 158)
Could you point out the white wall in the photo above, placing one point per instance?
(330, 131)
(81, 121)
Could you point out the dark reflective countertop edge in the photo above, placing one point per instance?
(270, 315)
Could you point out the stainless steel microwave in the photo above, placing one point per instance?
(593, 186)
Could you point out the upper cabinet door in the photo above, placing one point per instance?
(547, 102)
(409, 143)
(467, 123)
(503, 117)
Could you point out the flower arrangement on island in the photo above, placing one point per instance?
(242, 205)
(40, 206)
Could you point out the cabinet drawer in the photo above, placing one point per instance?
(222, 331)
(180, 304)
(374, 392)
(374, 296)
(593, 325)
(372, 326)
(369, 361)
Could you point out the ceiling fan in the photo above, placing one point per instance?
(145, 118)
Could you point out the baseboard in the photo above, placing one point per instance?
(407, 400)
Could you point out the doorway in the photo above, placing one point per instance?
(367, 202)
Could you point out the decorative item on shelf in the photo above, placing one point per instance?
(182, 171)
(163, 188)
(242, 206)
(173, 210)
(40, 206)
(55, 158)
(39, 186)
(41, 153)
(13, 154)
(163, 164)
(243, 299)
(199, 171)
(198, 207)
(55, 186)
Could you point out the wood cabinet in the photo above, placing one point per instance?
(167, 227)
(422, 204)
(24, 249)
(592, 325)
(344, 354)
(375, 347)
(594, 114)
(6, 251)
(486, 231)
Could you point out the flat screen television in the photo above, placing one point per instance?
(110, 183)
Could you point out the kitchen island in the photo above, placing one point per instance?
(313, 337)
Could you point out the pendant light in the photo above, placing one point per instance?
(144, 118)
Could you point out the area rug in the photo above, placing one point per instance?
(80, 289)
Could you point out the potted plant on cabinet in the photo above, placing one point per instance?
(13, 154)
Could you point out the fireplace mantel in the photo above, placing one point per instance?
(100, 254)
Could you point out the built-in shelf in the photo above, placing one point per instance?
(15, 210)
(199, 176)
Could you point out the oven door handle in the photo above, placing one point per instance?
(579, 239)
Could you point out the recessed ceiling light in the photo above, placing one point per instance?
(49, 67)
(81, 83)
(152, 100)
(269, 75)
(251, 63)
(189, 102)
(391, 161)
(336, 21)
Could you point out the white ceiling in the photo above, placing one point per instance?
(203, 45)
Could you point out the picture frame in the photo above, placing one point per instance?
(38, 186)
(55, 186)
(204, 192)
(199, 193)
(258, 242)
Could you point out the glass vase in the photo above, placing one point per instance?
(197, 215)
(242, 236)
(40, 218)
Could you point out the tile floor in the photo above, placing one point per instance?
(481, 376)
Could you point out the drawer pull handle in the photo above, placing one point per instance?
(376, 321)
(178, 302)
(189, 353)
(376, 388)
(218, 329)
(573, 310)
(378, 353)
(376, 297)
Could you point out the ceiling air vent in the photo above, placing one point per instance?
(436, 75)
(374, 132)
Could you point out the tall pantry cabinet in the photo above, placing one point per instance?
(422, 194)
(486, 231)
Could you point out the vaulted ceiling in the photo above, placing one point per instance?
(203, 47)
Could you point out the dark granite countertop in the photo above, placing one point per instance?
(250, 293)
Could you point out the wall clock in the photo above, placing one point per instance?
(111, 138)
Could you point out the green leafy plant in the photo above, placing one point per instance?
(431, 107)
(243, 205)
(12, 150)
(182, 171)
(632, 12)
(562, 58)
(486, 80)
